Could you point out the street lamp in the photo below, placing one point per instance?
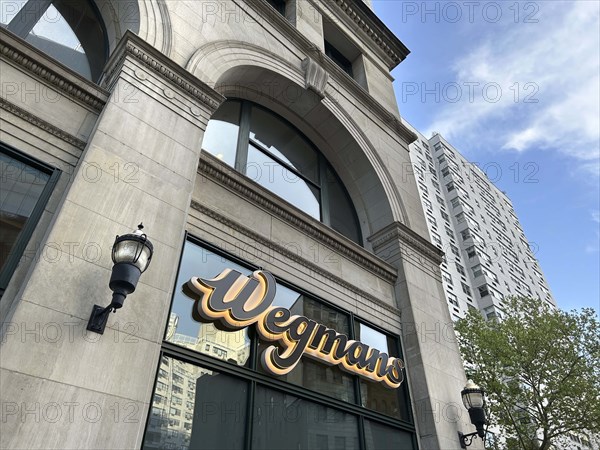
(131, 255)
(472, 397)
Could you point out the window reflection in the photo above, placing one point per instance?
(284, 142)
(375, 396)
(283, 421)
(382, 437)
(71, 32)
(20, 189)
(315, 375)
(278, 179)
(221, 135)
(183, 330)
(195, 408)
(270, 151)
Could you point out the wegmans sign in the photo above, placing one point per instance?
(237, 301)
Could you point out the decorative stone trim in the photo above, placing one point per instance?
(225, 176)
(42, 124)
(348, 83)
(374, 29)
(315, 77)
(132, 45)
(399, 231)
(20, 53)
(204, 210)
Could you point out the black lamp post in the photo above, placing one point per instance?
(131, 255)
(472, 397)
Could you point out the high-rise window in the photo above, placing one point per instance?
(273, 153)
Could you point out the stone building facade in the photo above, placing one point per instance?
(304, 179)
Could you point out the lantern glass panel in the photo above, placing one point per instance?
(473, 399)
(126, 252)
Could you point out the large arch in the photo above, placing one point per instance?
(149, 19)
(242, 70)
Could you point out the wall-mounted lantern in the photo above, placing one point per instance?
(131, 255)
(472, 397)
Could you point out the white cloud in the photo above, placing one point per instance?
(558, 56)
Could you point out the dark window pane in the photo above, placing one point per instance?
(20, 189)
(283, 422)
(309, 373)
(283, 182)
(232, 346)
(279, 5)
(375, 396)
(382, 437)
(338, 58)
(221, 135)
(284, 142)
(341, 211)
(196, 408)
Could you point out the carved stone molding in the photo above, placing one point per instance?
(315, 77)
(315, 268)
(399, 231)
(311, 51)
(372, 26)
(133, 46)
(35, 62)
(225, 176)
(42, 124)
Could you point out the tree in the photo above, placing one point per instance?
(540, 369)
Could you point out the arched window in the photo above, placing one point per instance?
(270, 151)
(70, 31)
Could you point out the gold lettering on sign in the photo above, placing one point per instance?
(236, 301)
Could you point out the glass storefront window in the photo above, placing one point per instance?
(282, 421)
(382, 437)
(197, 409)
(205, 403)
(314, 375)
(375, 396)
(183, 330)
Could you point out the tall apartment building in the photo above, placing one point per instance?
(487, 256)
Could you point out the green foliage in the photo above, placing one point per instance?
(540, 368)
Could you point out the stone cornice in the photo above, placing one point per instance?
(357, 13)
(42, 124)
(16, 51)
(401, 232)
(133, 46)
(315, 268)
(226, 176)
(347, 82)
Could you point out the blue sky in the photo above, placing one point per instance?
(519, 91)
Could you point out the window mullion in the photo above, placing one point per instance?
(324, 200)
(241, 154)
(249, 415)
(28, 16)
